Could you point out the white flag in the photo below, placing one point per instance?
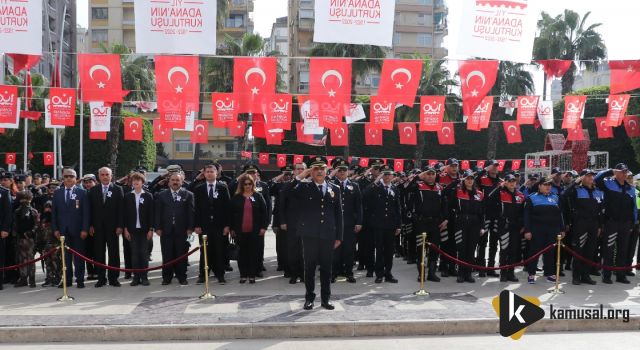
(363, 22)
(357, 113)
(100, 117)
(176, 26)
(21, 26)
(545, 114)
(47, 117)
(311, 122)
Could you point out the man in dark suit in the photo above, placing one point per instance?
(70, 218)
(6, 217)
(352, 212)
(288, 211)
(320, 227)
(174, 216)
(106, 225)
(138, 226)
(212, 219)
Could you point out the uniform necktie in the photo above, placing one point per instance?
(320, 189)
(210, 191)
(68, 195)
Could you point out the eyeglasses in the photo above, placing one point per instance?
(69, 176)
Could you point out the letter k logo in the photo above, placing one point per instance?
(516, 313)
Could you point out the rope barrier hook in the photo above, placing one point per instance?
(65, 296)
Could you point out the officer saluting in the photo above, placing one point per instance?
(320, 226)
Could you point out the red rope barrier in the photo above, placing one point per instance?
(43, 256)
(101, 265)
(485, 268)
(596, 265)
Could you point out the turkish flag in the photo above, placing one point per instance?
(47, 158)
(245, 154)
(604, 130)
(501, 164)
(543, 162)
(480, 118)
(263, 158)
(531, 163)
(576, 134)
(555, 68)
(254, 80)
(573, 110)
(446, 134)
(399, 80)
(300, 135)
(382, 113)
(10, 158)
(200, 133)
(100, 77)
(62, 106)
(512, 131)
(97, 135)
(363, 162)
(432, 162)
(398, 165)
(408, 135)
(31, 115)
(177, 88)
(237, 129)
(298, 159)
(527, 109)
(372, 136)
(330, 88)
(464, 165)
(8, 103)
(625, 76)
(23, 62)
(160, 132)
(281, 160)
(279, 112)
(330, 159)
(224, 107)
(257, 126)
(617, 109)
(431, 112)
(274, 138)
(133, 129)
(477, 78)
(30, 155)
(515, 164)
(631, 126)
(480, 164)
(340, 135)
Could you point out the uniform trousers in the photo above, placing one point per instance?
(317, 251)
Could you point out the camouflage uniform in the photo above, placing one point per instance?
(48, 241)
(25, 223)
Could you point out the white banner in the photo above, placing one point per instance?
(47, 117)
(311, 122)
(21, 26)
(354, 22)
(501, 30)
(15, 125)
(545, 114)
(176, 26)
(357, 113)
(100, 117)
(189, 122)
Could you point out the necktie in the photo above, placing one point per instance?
(175, 196)
(210, 191)
(320, 189)
(68, 195)
(104, 193)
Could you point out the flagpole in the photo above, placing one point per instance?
(26, 135)
(81, 123)
(55, 154)
(64, 15)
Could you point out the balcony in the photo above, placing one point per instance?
(428, 9)
(241, 6)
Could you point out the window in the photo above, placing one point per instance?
(230, 149)
(99, 35)
(184, 146)
(99, 13)
(304, 81)
(397, 38)
(422, 18)
(305, 14)
(425, 2)
(424, 39)
(235, 21)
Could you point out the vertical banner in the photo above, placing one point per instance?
(330, 87)
(407, 134)
(446, 134)
(62, 106)
(100, 77)
(200, 133)
(340, 135)
(573, 110)
(480, 118)
(617, 109)
(279, 112)
(372, 135)
(8, 104)
(545, 114)
(603, 129)
(399, 80)
(527, 109)
(498, 29)
(21, 26)
(362, 22)
(512, 131)
(176, 26)
(132, 129)
(309, 115)
(254, 80)
(47, 116)
(224, 108)
(160, 132)
(177, 87)
(431, 112)
(382, 113)
(100, 117)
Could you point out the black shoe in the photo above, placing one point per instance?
(622, 280)
(80, 285)
(293, 280)
(114, 283)
(492, 273)
(100, 284)
(360, 267)
(260, 274)
(390, 279)
(228, 268)
(134, 283)
(200, 280)
(630, 274)
(127, 275)
(378, 280)
(453, 272)
(333, 280)
(92, 278)
(595, 273)
(308, 305)
(47, 284)
(351, 279)
(607, 280)
(369, 274)
(567, 267)
(433, 278)
(145, 282)
(504, 278)
(327, 306)
(482, 274)
(222, 281)
(262, 268)
(469, 279)
(587, 280)
(287, 275)
(32, 284)
(512, 278)
(460, 279)
(166, 282)
(184, 282)
(1, 287)
(279, 268)
(576, 282)
(444, 273)
(561, 274)
(252, 280)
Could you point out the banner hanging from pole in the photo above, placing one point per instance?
(21, 26)
(100, 117)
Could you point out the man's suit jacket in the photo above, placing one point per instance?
(6, 215)
(287, 208)
(176, 216)
(72, 216)
(320, 215)
(351, 202)
(146, 211)
(383, 207)
(106, 216)
(212, 214)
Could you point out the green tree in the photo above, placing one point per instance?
(568, 37)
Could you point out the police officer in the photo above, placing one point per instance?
(466, 204)
(585, 204)
(510, 224)
(6, 218)
(488, 181)
(384, 218)
(352, 216)
(275, 187)
(289, 216)
(451, 175)
(429, 212)
(366, 241)
(320, 226)
(620, 212)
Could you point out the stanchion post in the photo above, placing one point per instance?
(556, 289)
(65, 296)
(206, 294)
(423, 292)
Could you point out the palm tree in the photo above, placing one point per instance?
(568, 37)
(222, 13)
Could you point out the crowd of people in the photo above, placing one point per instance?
(340, 217)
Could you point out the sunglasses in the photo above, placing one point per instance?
(69, 176)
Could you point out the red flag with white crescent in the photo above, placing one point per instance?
(446, 134)
(177, 88)
(330, 159)
(577, 133)
(100, 77)
(480, 164)
(531, 163)
(408, 135)
(573, 110)
(237, 129)
(625, 76)
(301, 136)
(512, 131)
(476, 80)
(298, 159)
(160, 132)
(8, 104)
(245, 154)
(263, 158)
(281, 160)
(501, 164)
(602, 127)
(273, 138)
(631, 126)
(133, 129)
(398, 165)
(339, 135)
(382, 113)
(363, 162)
(47, 158)
(543, 162)
(481, 116)
(372, 135)
(432, 162)
(464, 165)
(527, 109)
(200, 133)
(330, 87)
(515, 164)
(555, 68)
(278, 109)
(224, 107)
(257, 126)
(10, 158)
(617, 109)
(254, 80)
(399, 80)
(431, 112)
(62, 106)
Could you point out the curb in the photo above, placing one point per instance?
(203, 332)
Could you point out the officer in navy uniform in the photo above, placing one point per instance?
(352, 213)
(275, 186)
(6, 219)
(487, 181)
(366, 244)
(384, 220)
(320, 226)
(288, 211)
